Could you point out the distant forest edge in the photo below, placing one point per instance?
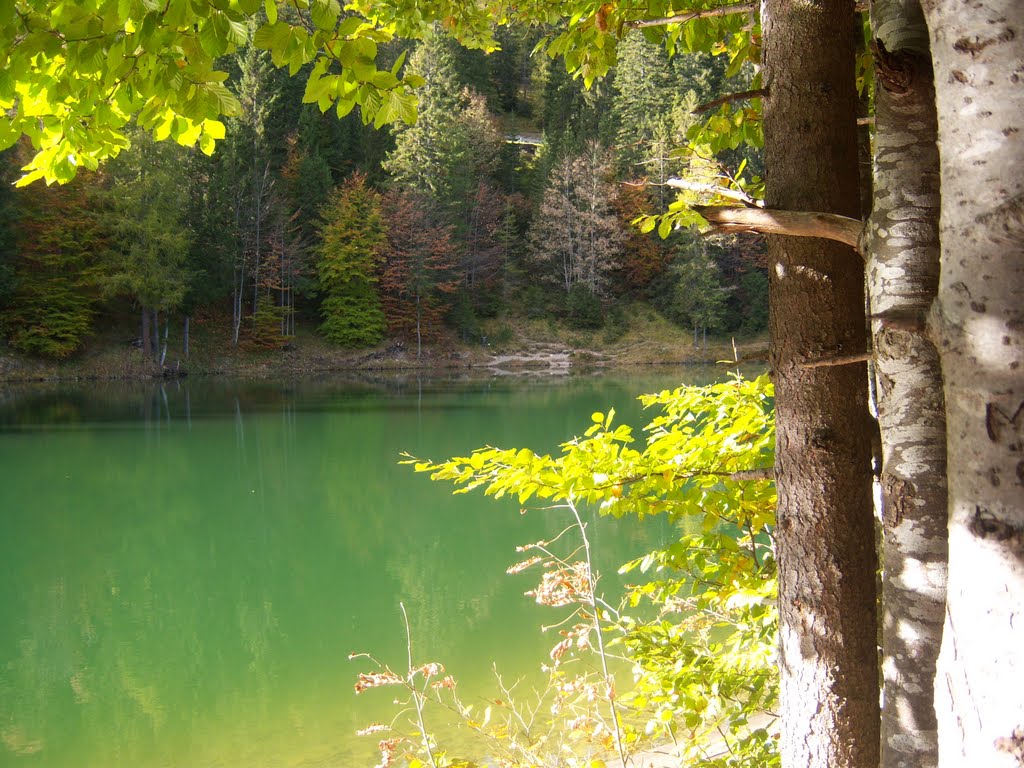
(509, 201)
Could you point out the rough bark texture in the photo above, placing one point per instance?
(903, 278)
(825, 532)
(978, 56)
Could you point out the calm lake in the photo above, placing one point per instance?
(186, 567)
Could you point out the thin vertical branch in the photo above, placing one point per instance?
(619, 746)
(417, 697)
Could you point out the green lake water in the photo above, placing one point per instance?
(186, 567)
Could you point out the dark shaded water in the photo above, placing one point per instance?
(186, 567)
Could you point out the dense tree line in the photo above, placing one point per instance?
(413, 232)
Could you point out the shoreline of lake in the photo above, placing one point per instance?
(312, 357)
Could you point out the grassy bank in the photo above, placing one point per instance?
(503, 344)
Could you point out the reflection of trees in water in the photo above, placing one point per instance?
(172, 594)
(68, 404)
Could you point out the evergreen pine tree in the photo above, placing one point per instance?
(430, 155)
(54, 278)
(148, 248)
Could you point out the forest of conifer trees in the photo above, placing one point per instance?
(513, 194)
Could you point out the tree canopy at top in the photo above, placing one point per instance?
(73, 74)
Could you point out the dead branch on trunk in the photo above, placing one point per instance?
(757, 93)
(829, 226)
(830, 362)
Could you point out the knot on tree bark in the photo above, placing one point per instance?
(985, 525)
(895, 70)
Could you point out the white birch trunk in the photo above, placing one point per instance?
(903, 277)
(978, 55)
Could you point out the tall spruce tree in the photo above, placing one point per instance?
(54, 277)
(431, 156)
(149, 241)
(646, 127)
(825, 534)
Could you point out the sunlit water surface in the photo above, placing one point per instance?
(187, 566)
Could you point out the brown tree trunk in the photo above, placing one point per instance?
(825, 532)
(978, 56)
(903, 277)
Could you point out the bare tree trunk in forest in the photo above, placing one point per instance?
(184, 341)
(419, 335)
(978, 56)
(167, 332)
(260, 189)
(147, 343)
(825, 532)
(282, 293)
(903, 277)
(156, 333)
(237, 293)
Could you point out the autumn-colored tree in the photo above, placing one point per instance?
(420, 273)
(273, 322)
(644, 256)
(484, 249)
(349, 256)
(577, 237)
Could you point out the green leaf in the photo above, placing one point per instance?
(349, 26)
(325, 13)
(344, 106)
(384, 80)
(237, 32)
(8, 134)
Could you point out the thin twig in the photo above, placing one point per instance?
(617, 732)
(682, 18)
(417, 697)
(834, 361)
